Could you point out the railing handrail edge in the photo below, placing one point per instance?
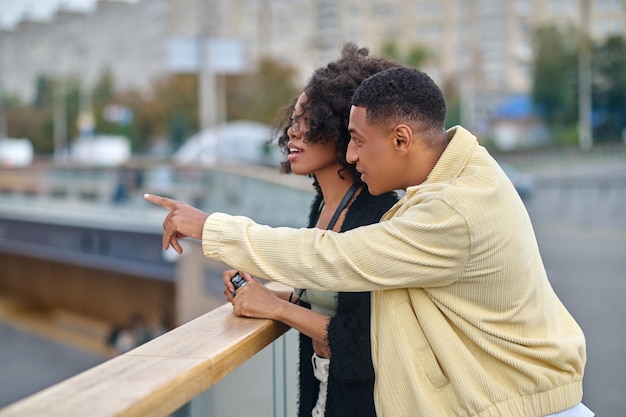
(159, 377)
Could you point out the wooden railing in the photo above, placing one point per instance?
(159, 377)
(165, 374)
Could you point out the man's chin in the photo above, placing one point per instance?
(372, 190)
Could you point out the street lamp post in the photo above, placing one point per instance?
(59, 120)
(3, 116)
(585, 134)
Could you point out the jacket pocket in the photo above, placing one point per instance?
(415, 346)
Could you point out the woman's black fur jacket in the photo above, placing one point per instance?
(351, 372)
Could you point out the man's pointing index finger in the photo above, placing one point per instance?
(166, 203)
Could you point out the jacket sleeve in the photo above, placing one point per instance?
(427, 245)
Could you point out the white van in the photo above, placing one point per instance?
(15, 152)
(101, 150)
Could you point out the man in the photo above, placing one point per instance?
(464, 320)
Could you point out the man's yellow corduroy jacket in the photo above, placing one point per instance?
(464, 319)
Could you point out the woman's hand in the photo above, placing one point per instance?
(253, 299)
(257, 301)
(229, 288)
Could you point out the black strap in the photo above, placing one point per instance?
(333, 220)
(342, 205)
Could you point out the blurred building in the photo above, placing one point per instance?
(480, 46)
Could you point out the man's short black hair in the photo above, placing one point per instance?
(402, 95)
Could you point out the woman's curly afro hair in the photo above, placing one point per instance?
(329, 92)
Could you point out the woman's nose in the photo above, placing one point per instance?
(291, 132)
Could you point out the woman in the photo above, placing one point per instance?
(331, 325)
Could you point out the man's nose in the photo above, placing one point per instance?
(351, 154)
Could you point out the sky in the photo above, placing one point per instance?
(11, 11)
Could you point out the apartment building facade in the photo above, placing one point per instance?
(480, 46)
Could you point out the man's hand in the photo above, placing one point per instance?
(182, 220)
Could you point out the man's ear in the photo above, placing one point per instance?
(402, 138)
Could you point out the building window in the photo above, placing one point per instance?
(428, 10)
(567, 7)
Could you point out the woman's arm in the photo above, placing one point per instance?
(256, 301)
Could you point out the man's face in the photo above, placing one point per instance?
(373, 152)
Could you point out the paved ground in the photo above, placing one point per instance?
(581, 232)
(30, 363)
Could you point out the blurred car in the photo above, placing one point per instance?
(523, 183)
(15, 152)
(101, 150)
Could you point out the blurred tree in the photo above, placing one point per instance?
(179, 128)
(180, 100)
(72, 105)
(151, 118)
(104, 97)
(609, 89)
(141, 131)
(415, 57)
(168, 114)
(24, 121)
(35, 121)
(555, 80)
(259, 95)
(104, 90)
(451, 91)
(181, 94)
(390, 50)
(43, 93)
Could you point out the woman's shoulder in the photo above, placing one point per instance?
(314, 210)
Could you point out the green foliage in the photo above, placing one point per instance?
(169, 113)
(453, 114)
(450, 90)
(103, 96)
(35, 121)
(555, 84)
(43, 93)
(27, 122)
(103, 91)
(259, 95)
(555, 73)
(609, 88)
(390, 50)
(414, 57)
(565, 135)
(73, 94)
(179, 128)
(178, 98)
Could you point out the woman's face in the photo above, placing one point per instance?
(305, 157)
